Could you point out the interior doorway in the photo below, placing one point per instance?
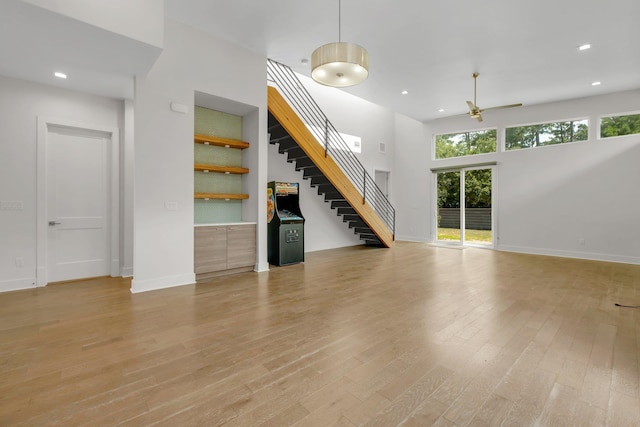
(464, 206)
(77, 203)
(382, 181)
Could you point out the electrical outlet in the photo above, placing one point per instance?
(19, 261)
(171, 206)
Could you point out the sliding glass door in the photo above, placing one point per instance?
(448, 213)
(464, 201)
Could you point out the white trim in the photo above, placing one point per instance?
(463, 205)
(113, 137)
(482, 165)
(388, 173)
(17, 284)
(607, 116)
(589, 133)
(127, 271)
(414, 239)
(435, 135)
(162, 283)
(115, 202)
(571, 254)
(261, 266)
(547, 122)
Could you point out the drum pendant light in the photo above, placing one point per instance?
(340, 64)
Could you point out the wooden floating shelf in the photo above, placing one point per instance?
(220, 142)
(219, 169)
(220, 196)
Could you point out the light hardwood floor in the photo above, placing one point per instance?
(416, 335)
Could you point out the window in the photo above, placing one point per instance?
(619, 125)
(354, 142)
(465, 143)
(543, 134)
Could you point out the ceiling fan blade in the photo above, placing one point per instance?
(502, 106)
(475, 112)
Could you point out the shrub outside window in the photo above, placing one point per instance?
(544, 134)
(465, 143)
(628, 124)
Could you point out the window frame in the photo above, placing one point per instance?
(599, 130)
(545, 122)
(435, 135)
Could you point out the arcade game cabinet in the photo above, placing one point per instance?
(285, 224)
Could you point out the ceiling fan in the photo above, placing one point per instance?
(475, 111)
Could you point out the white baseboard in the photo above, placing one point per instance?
(127, 271)
(261, 266)
(411, 239)
(17, 284)
(162, 282)
(570, 254)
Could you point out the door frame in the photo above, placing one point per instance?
(494, 207)
(388, 174)
(113, 184)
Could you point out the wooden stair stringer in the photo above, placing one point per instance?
(296, 128)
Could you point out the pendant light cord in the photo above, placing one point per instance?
(339, 20)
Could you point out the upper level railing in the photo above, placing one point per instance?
(319, 125)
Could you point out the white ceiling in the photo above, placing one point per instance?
(525, 51)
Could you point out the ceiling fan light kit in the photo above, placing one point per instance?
(340, 64)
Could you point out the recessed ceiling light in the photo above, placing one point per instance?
(584, 47)
(441, 110)
(595, 84)
(60, 75)
(404, 92)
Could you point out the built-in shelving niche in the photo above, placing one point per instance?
(218, 167)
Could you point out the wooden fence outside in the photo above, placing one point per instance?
(476, 218)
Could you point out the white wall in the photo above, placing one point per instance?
(550, 197)
(20, 104)
(355, 116)
(127, 171)
(191, 61)
(410, 193)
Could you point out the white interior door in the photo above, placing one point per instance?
(382, 181)
(77, 204)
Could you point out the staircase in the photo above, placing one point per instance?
(332, 168)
